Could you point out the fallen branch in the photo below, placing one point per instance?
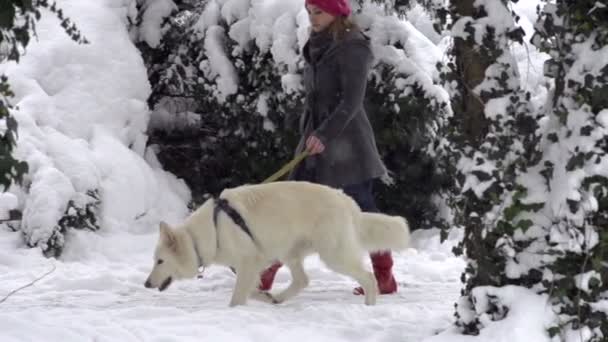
(28, 285)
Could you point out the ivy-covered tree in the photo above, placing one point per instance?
(488, 137)
(530, 187)
(573, 221)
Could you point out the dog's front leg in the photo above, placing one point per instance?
(245, 282)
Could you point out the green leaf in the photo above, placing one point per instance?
(27, 5)
(554, 331)
(576, 162)
(553, 137)
(511, 212)
(525, 225)
(594, 283)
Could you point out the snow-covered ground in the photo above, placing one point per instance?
(97, 294)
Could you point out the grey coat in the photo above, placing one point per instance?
(335, 85)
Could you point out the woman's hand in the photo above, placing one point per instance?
(314, 145)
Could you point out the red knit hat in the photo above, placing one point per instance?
(333, 7)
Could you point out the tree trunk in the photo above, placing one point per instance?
(471, 67)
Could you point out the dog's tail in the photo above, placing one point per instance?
(379, 232)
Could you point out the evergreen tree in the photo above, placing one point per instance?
(406, 121)
(229, 115)
(219, 103)
(17, 25)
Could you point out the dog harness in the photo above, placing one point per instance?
(222, 204)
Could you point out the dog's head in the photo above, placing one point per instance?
(170, 263)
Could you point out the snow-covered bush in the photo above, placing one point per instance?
(227, 89)
(82, 117)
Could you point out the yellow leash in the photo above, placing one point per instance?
(287, 167)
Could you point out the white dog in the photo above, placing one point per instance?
(251, 226)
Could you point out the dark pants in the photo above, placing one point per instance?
(363, 195)
(360, 192)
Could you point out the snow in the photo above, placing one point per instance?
(422, 21)
(528, 317)
(385, 31)
(498, 17)
(97, 293)
(8, 202)
(293, 84)
(282, 49)
(262, 106)
(209, 17)
(265, 14)
(582, 280)
(472, 182)
(227, 80)
(601, 306)
(281, 27)
(530, 61)
(233, 10)
(588, 61)
(49, 193)
(154, 13)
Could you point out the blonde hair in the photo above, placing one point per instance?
(340, 26)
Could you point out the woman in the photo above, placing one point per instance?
(335, 129)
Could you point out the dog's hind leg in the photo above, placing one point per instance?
(299, 281)
(246, 277)
(357, 271)
(347, 258)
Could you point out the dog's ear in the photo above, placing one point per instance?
(166, 235)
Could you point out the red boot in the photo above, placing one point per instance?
(383, 264)
(267, 276)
